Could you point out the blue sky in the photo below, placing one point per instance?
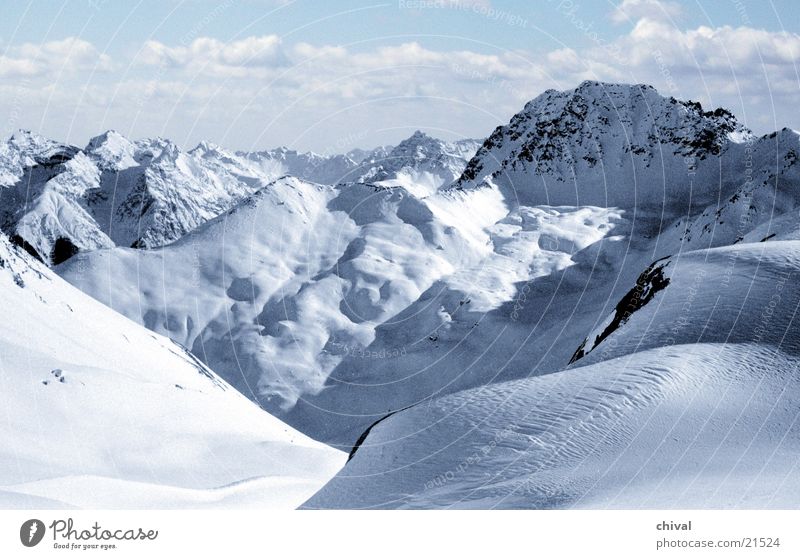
(329, 76)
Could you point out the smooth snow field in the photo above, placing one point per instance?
(695, 426)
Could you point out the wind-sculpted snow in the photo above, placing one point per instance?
(275, 292)
(690, 426)
(689, 402)
(332, 306)
(518, 310)
(100, 412)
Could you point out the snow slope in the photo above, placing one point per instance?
(274, 292)
(690, 426)
(727, 295)
(308, 298)
(99, 412)
(690, 401)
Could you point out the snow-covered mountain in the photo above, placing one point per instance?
(100, 412)
(369, 155)
(420, 164)
(151, 192)
(56, 200)
(612, 145)
(379, 308)
(305, 165)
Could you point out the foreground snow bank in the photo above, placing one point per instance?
(694, 426)
(99, 412)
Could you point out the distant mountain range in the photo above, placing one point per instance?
(58, 199)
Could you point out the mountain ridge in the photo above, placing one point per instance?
(143, 193)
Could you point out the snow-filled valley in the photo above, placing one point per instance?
(594, 307)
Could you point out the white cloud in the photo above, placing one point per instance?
(16, 67)
(68, 55)
(634, 10)
(215, 57)
(758, 58)
(265, 92)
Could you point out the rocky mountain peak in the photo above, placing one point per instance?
(602, 133)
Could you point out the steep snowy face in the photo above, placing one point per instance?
(44, 210)
(114, 152)
(25, 149)
(611, 145)
(59, 200)
(176, 192)
(420, 164)
(764, 206)
(93, 400)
